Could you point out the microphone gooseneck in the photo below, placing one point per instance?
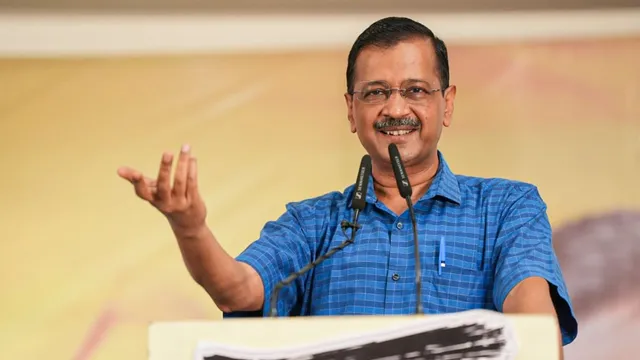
(358, 203)
(404, 187)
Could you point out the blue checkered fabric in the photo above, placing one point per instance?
(496, 233)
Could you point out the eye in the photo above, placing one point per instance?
(374, 92)
(416, 90)
(416, 93)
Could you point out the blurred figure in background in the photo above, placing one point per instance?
(599, 257)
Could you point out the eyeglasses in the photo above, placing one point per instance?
(377, 92)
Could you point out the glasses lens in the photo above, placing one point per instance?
(379, 91)
(373, 92)
(416, 93)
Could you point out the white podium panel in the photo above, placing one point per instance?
(475, 334)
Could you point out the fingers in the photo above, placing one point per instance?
(152, 184)
(144, 187)
(143, 190)
(129, 174)
(160, 192)
(164, 178)
(182, 169)
(192, 179)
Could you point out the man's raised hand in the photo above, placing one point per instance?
(180, 203)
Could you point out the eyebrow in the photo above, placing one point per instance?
(418, 80)
(384, 82)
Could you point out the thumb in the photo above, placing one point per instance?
(129, 174)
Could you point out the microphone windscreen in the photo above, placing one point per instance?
(398, 170)
(358, 201)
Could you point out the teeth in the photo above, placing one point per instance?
(397, 132)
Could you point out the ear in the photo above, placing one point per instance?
(349, 101)
(449, 97)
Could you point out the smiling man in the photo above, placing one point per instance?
(497, 234)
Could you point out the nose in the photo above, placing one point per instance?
(396, 106)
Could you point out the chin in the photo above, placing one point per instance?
(410, 146)
(408, 153)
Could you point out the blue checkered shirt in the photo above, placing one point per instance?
(496, 233)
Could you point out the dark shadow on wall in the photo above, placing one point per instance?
(600, 258)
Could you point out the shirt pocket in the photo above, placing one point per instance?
(464, 283)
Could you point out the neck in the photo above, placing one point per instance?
(420, 176)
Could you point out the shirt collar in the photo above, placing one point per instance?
(445, 185)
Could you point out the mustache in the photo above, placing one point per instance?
(389, 122)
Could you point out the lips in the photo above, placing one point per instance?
(399, 131)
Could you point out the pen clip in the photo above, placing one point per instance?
(442, 262)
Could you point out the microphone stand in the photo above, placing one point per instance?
(418, 270)
(404, 187)
(344, 224)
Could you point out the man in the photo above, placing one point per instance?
(499, 252)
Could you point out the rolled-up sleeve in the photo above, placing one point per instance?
(524, 249)
(281, 249)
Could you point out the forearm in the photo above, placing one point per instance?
(531, 296)
(232, 285)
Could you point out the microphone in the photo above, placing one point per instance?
(358, 203)
(405, 191)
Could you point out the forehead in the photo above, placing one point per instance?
(410, 59)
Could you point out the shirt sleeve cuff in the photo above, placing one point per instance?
(266, 275)
(559, 296)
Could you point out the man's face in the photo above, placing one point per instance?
(413, 122)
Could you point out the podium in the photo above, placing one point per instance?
(473, 332)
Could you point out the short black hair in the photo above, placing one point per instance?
(388, 32)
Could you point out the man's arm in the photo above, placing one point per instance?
(284, 246)
(241, 286)
(237, 286)
(232, 285)
(528, 278)
(531, 296)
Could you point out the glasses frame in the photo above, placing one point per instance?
(388, 91)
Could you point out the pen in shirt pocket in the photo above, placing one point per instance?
(442, 262)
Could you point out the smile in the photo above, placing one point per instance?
(397, 132)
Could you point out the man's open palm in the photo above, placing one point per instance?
(181, 204)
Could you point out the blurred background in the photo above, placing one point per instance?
(547, 93)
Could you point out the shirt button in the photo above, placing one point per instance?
(399, 226)
(395, 277)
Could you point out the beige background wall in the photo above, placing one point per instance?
(85, 265)
(300, 7)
